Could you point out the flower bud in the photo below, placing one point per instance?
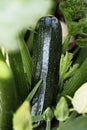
(48, 114)
(61, 111)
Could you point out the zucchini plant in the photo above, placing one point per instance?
(42, 83)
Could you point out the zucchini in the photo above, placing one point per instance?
(47, 44)
(7, 95)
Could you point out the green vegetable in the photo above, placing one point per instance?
(7, 95)
(46, 59)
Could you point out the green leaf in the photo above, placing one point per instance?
(73, 9)
(32, 93)
(71, 71)
(16, 65)
(82, 42)
(26, 58)
(76, 80)
(65, 64)
(75, 14)
(82, 55)
(30, 41)
(80, 123)
(66, 43)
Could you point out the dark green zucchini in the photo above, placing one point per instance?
(46, 59)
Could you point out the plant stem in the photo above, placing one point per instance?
(48, 125)
(76, 80)
(66, 43)
(37, 118)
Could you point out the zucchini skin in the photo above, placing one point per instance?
(47, 47)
